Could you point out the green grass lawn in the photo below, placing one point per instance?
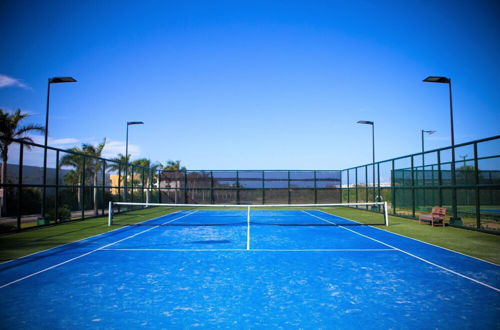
(477, 244)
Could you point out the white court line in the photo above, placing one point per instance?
(258, 250)
(410, 254)
(390, 232)
(83, 239)
(90, 252)
(176, 250)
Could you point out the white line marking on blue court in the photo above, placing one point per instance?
(90, 252)
(258, 250)
(83, 239)
(408, 253)
(427, 243)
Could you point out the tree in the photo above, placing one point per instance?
(153, 168)
(91, 169)
(174, 166)
(118, 165)
(10, 129)
(94, 165)
(75, 177)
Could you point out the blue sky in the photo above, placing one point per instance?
(254, 84)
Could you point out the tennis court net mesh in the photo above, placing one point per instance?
(344, 214)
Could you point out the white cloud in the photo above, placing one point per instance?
(113, 148)
(62, 143)
(6, 81)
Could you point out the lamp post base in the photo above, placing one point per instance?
(456, 221)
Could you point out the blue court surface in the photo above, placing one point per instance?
(288, 269)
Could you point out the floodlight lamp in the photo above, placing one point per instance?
(367, 122)
(435, 79)
(57, 80)
(135, 123)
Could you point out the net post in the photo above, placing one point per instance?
(386, 214)
(248, 228)
(110, 213)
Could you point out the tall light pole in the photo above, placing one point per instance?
(423, 161)
(367, 122)
(444, 80)
(54, 80)
(126, 154)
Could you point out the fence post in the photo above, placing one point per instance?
(478, 195)
(356, 185)
(393, 188)
(119, 181)
(19, 187)
(413, 187)
(212, 200)
(316, 189)
(263, 187)
(186, 197)
(237, 187)
(347, 187)
(440, 179)
(341, 190)
(289, 190)
(378, 183)
(82, 188)
(159, 186)
(130, 183)
(103, 188)
(56, 211)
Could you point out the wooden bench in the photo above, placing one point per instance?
(436, 218)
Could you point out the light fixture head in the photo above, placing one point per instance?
(58, 80)
(367, 122)
(436, 79)
(135, 123)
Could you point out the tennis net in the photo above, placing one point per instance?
(343, 214)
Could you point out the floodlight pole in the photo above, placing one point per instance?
(126, 154)
(55, 80)
(455, 219)
(373, 162)
(367, 122)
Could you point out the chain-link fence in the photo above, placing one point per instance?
(79, 186)
(413, 184)
(250, 187)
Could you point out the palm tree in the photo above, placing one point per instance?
(174, 166)
(146, 163)
(75, 177)
(10, 129)
(118, 165)
(94, 165)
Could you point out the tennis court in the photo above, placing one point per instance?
(242, 268)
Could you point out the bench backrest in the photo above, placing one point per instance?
(438, 211)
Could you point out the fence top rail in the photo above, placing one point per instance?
(248, 205)
(265, 171)
(427, 152)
